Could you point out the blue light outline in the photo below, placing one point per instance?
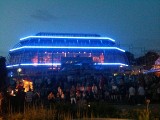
(12, 65)
(43, 64)
(65, 47)
(121, 64)
(54, 64)
(99, 38)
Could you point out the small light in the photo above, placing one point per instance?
(115, 74)
(19, 70)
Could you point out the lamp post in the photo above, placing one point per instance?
(19, 70)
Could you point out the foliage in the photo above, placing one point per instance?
(103, 110)
(130, 57)
(3, 74)
(148, 59)
(92, 110)
(144, 115)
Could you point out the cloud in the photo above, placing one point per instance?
(43, 15)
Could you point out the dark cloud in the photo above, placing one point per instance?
(43, 15)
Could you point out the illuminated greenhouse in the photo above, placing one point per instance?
(52, 50)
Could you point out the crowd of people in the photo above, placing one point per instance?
(119, 89)
(73, 89)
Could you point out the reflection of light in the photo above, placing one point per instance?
(101, 38)
(67, 47)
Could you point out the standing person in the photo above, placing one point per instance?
(94, 89)
(158, 92)
(132, 92)
(29, 97)
(1, 98)
(20, 100)
(122, 93)
(60, 90)
(141, 94)
(73, 96)
(36, 98)
(51, 97)
(114, 95)
(63, 97)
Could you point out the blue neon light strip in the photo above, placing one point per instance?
(50, 64)
(99, 38)
(34, 64)
(45, 64)
(121, 64)
(12, 65)
(67, 47)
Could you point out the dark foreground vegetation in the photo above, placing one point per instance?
(83, 110)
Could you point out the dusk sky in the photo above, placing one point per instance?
(130, 22)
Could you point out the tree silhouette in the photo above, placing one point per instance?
(3, 85)
(3, 74)
(130, 57)
(148, 59)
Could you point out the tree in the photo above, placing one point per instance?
(130, 57)
(3, 74)
(3, 85)
(148, 59)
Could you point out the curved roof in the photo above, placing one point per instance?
(66, 40)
